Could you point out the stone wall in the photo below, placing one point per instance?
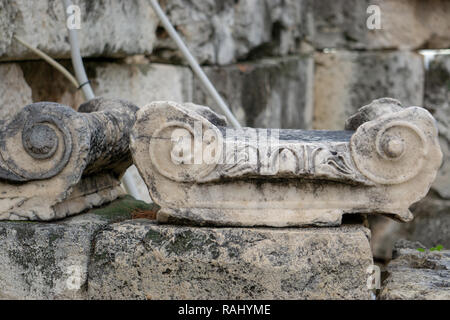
(118, 252)
(289, 64)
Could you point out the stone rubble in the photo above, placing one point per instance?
(416, 275)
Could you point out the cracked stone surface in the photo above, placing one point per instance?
(223, 32)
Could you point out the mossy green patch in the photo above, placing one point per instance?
(122, 209)
(154, 236)
(192, 241)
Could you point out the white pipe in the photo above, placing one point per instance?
(130, 185)
(77, 62)
(193, 63)
(80, 73)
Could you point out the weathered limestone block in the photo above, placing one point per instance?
(14, 90)
(140, 81)
(50, 260)
(140, 259)
(268, 93)
(344, 81)
(201, 172)
(405, 24)
(222, 32)
(108, 28)
(56, 162)
(415, 275)
(216, 31)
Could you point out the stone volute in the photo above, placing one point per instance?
(56, 162)
(202, 172)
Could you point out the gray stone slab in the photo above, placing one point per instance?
(108, 28)
(140, 259)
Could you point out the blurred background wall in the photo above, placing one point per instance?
(305, 64)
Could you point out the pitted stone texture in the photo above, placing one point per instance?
(14, 90)
(344, 81)
(108, 28)
(405, 24)
(142, 260)
(222, 32)
(50, 260)
(269, 93)
(415, 275)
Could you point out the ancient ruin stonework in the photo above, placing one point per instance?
(417, 275)
(385, 161)
(56, 162)
(140, 259)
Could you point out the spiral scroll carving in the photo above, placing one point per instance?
(176, 150)
(36, 145)
(394, 156)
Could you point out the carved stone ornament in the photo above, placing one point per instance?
(56, 162)
(201, 172)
